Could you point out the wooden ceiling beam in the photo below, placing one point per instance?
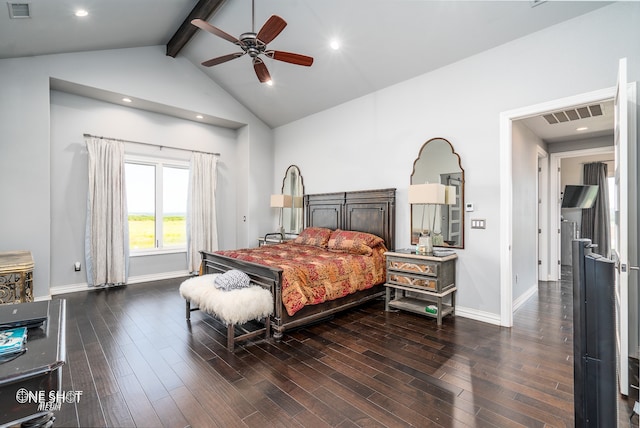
(205, 9)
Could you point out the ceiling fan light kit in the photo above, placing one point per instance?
(255, 44)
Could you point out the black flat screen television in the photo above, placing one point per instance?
(579, 196)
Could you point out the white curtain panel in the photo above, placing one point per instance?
(202, 232)
(106, 238)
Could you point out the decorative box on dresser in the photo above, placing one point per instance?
(419, 281)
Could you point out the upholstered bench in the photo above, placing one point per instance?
(231, 303)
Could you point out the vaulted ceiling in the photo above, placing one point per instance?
(382, 42)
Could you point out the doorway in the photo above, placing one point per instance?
(507, 120)
(566, 168)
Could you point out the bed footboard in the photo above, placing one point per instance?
(271, 278)
(267, 277)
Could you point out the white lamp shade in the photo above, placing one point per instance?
(429, 193)
(450, 195)
(281, 201)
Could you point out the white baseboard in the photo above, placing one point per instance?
(524, 297)
(474, 314)
(72, 288)
(492, 318)
(157, 276)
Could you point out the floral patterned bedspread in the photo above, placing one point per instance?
(312, 275)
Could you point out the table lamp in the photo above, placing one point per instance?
(426, 194)
(281, 201)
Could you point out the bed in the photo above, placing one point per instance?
(368, 211)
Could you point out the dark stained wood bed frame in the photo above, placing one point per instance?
(371, 211)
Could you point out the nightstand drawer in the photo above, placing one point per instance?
(423, 267)
(420, 281)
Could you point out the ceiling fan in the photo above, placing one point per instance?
(255, 44)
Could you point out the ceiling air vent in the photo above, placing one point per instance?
(574, 114)
(19, 10)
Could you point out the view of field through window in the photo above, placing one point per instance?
(141, 204)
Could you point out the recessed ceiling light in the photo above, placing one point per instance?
(582, 128)
(199, 116)
(81, 13)
(335, 44)
(126, 100)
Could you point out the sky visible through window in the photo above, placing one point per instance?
(141, 189)
(175, 185)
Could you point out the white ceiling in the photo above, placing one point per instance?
(384, 42)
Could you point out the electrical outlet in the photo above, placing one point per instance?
(77, 266)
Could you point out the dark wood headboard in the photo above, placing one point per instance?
(371, 211)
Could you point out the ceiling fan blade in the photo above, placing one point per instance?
(204, 25)
(271, 29)
(290, 57)
(221, 59)
(261, 70)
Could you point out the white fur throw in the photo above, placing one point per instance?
(231, 307)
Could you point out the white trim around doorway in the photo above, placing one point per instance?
(506, 197)
(554, 195)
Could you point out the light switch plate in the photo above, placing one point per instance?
(478, 223)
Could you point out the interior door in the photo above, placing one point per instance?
(542, 220)
(621, 144)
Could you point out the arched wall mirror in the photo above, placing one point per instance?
(292, 184)
(438, 162)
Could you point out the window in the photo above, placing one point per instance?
(157, 203)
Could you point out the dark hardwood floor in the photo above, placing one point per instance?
(138, 363)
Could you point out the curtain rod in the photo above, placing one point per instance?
(149, 144)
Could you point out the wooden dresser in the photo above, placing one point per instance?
(16, 277)
(422, 284)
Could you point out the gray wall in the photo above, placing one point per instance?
(367, 143)
(142, 73)
(372, 141)
(524, 223)
(71, 117)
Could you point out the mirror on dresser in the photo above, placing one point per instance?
(438, 162)
(292, 184)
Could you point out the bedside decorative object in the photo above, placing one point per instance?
(422, 284)
(428, 195)
(16, 277)
(281, 201)
(275, 238)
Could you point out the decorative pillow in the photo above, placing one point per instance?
(232, 280)
(318, 236)
(353, 242)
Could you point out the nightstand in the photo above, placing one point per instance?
(274, 238)
(419, 281)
